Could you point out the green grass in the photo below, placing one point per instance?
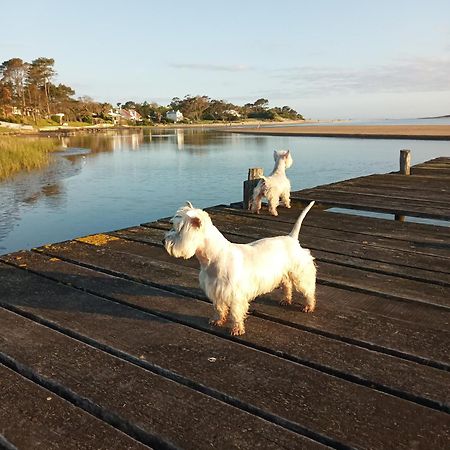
(17, 153)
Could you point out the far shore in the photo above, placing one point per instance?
(430, 132)
(285, 128)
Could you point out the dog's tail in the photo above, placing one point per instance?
(296, 230)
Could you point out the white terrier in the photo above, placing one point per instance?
(275, 186)
(232, 275)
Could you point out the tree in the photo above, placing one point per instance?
(40, 73)
(14, 72)
(261, 103)
(191, 107)
(5, 98)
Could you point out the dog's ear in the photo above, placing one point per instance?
(287, 152)
(194, 220)
(189, 204)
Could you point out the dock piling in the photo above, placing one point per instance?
(254, 175)
(405, 162)
(405, 169)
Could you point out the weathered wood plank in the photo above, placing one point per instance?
(399, 183)
(365, 202)
(33, 417)
(421, 235)
(289, 391)
(151, 267)
(430, 171)
(403, 378)
(390, 193)
(165, 411)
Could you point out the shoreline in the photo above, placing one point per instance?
(423, 132)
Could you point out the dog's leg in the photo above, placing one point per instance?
(306, 284)
(256, 202)
(286, 285)
(273, 203)
(285, 198)
(238, 313)
(220, 316)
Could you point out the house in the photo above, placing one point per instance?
(174, 116)
(232, 113)
(119, 115)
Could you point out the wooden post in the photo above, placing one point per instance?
(254, 176)
(405, 162)
(405, 169)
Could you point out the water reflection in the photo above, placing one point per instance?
(185, 139)
(43, 188)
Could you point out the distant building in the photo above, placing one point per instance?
(174, 116)
(232, 113)
(130, 115)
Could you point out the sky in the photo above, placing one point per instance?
(328, 59)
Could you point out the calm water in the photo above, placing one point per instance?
(110, 181)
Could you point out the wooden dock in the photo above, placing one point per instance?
(105, 341)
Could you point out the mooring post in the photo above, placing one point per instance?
(405, 162)
(405, 169)
(254, 175)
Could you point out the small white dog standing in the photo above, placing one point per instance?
(274, 187)
(232, 275)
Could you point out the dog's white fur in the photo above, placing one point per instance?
(232, 275)
(274, 187)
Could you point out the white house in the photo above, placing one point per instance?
(174, 116)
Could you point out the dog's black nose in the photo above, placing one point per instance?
(163, 241)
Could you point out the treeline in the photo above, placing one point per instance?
(28, 91)
(202, 108)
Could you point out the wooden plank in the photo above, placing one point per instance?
(417, 208)
(400, 183)
(160, 409)
(34, 417)
(409, 231)
(289, 391)
(388, 193)
(395, 186)
(384, 372)
(430, 171)
(151, 267)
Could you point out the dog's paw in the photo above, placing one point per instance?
(274, 213)
(237, 330)
(285, 302)
(308, 309)
(217, 323)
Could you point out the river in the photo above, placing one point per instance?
(107, 181)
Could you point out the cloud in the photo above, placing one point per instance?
(213, 67)
(403, 75)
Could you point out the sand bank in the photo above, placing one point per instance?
(432, 132)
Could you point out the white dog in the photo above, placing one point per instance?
(232, 275)
(274, 187)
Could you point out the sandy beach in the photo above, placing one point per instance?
(431, 132)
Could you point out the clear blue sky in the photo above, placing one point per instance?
(325, 58)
